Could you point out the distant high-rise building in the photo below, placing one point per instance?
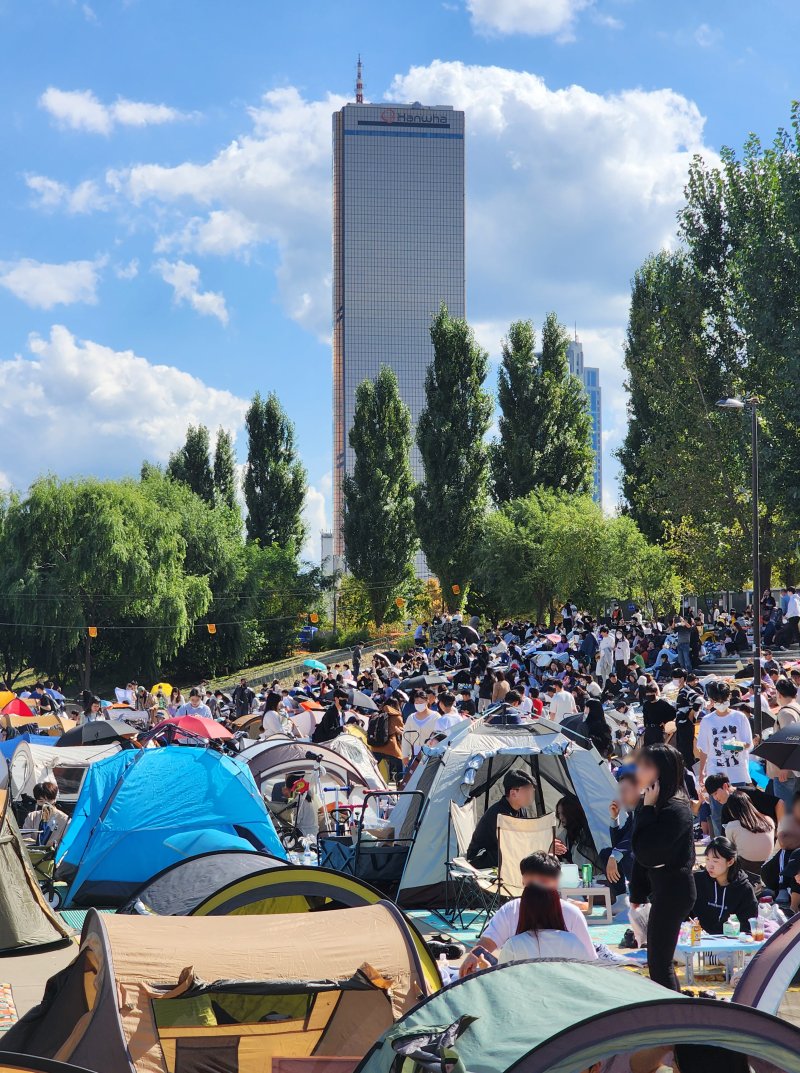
(398, 253)
(590, 378)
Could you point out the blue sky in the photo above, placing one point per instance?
(165, 205)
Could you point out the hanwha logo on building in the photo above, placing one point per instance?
(388, 115)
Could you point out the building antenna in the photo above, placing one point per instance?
(359, 83)
(576, 331)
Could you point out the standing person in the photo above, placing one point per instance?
(663, 852)
(390, 727)
(683, 635)
(605, 664)
(501, 687)
(418, 727)
(356, 654)
(688, 703)
(243, 697)
(622, 653)
(656, 713)
(562, 702)
(724, 741)
(485, 690)
(618, 858)
(793, 616)
(784, 781)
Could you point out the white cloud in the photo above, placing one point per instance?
(567, 192)
(45, 285)
(221, 232)
(705, 36)
(51, 194)
(184, 278)
(533, 17)
(271, 185)
(128, 271)
(97, 410)
(315, 517)
(81, 110)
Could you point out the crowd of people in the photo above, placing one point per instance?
(677, 737)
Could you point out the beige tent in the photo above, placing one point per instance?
(201, 994)
(25, 918)
(32, 763)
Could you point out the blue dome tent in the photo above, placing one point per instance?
(140, 811)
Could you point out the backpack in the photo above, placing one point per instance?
(378, 730)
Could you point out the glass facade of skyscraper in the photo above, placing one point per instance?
(590, 377)
(398, 252)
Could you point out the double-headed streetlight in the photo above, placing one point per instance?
(751, 403)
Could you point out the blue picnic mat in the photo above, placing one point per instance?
(74, 918)
(427, 922)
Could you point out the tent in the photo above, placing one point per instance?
(190, 995)
(25, 917)
(9, 747)
(470, 765)
(352, 746)
(25, 1063)
(271, 761)
(47, 722)
(144, 809)
(770, 981)
(563, 1017)
(32, 763)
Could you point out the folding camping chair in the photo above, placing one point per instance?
(517, 839)
(463, 893)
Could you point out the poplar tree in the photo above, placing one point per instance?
(545, 427)
(191, 466)
(450, 501)
(224, 471)
(274, 478)
(378, 521)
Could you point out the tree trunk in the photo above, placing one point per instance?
(87, 662)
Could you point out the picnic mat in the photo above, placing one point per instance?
(8, 1011)
(74, 918)
(427, 922)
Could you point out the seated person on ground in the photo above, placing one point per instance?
(46, 824)
(751, 833)
(542, 931)
(776, 873)
(723, 890)
(544, 870)
(518, 791)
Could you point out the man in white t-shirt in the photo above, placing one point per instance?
(724, 741)
(562, 702)
(418, 728)
(449, 716)
(544, 869)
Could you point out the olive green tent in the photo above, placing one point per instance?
(565, 1016)
(25, 917)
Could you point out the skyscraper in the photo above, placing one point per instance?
(398, 252)
(590, 377)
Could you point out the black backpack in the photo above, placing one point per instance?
(378, 730)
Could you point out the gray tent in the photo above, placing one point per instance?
(470, 765)
(25, 917)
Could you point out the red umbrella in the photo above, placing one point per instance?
(18, 707)
(197, 725)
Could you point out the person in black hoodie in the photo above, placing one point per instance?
(723, 889)
(663, 856)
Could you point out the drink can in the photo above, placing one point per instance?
(586, 875)
(697, 934)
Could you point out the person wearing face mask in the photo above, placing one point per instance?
(622, 653)
(418, 728)
(724, 742)
(723, 890)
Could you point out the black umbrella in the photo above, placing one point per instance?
(466, 633)
(98, 733)
(361, 700)
(783, 748)
(420, 681)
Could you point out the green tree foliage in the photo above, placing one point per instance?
(545, 428)
(96, 553)
(722, 317)
(191, 465)
(274, 479)
(450, 501)
(378, 521)
(225, 471)
(547, 546)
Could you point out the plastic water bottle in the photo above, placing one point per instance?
(444, 968)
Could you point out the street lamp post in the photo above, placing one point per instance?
(751, 402)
